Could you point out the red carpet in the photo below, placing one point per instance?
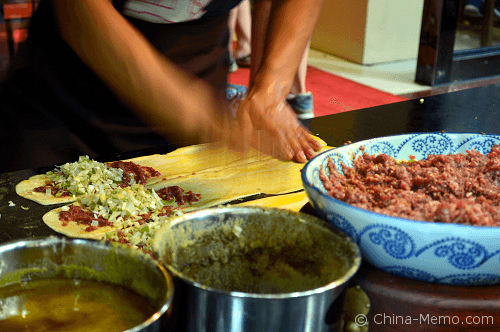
(332, 94)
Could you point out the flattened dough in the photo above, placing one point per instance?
(195, 161)
(293, 201)
(72, 229)
(203, 158)
(218, 174)
(25, 189)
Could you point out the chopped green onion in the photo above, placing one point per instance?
(169, 202)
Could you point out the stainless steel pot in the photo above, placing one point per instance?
(224, 240)
(53, 257)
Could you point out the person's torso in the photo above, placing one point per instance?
(175, 11)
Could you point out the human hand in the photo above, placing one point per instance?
(274, 128)
(209, 118)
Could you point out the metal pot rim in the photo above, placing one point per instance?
(336, 283)
(53, 240)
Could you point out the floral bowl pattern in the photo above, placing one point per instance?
(433, 252)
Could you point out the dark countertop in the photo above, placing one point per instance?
(473, 110)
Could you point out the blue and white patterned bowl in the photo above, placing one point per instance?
(433, 252)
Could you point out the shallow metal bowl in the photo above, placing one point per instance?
(256, 269)
(56, 258)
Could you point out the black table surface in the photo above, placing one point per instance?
(467, 111)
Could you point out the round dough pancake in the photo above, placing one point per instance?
(25, 189)
(72, 229)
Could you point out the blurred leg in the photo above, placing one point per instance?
(233, 66)
(260, 18)
(299, 98)
(302, 101)
(243, 29)
(232, 28)
(299, 84)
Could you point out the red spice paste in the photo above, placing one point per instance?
(60, 192)
(84, 216)
(181, 196)
(122, 238)
(164, 211)
(141, 174)
(461, 188)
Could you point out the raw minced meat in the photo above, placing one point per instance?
(457, 188)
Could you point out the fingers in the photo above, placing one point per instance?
(299, 138)
(303, 150)
(310, 144)
(275, 146)
(303, 144)
(276, 131)
(292, 142)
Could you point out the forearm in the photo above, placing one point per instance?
(290, 26)
(134, 70)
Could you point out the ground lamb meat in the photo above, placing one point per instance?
(460, 188)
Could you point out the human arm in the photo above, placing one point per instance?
(169, 100)
(281, 30)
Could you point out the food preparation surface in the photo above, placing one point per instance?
(214, 173)
(22, 218)
(19, 217)
(473, 110)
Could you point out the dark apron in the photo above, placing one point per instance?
(55, 109)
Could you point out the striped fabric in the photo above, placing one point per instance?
(165, 11)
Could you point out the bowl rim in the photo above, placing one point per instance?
(54, 240)
(257, 296)
(394, 221)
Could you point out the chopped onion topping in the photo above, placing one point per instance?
(85, 176)
(122, 206)
(139, 235)
(237, 230)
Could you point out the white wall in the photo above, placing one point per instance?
(369, 31)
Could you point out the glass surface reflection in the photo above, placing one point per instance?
(478, 24)
(459, 41)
